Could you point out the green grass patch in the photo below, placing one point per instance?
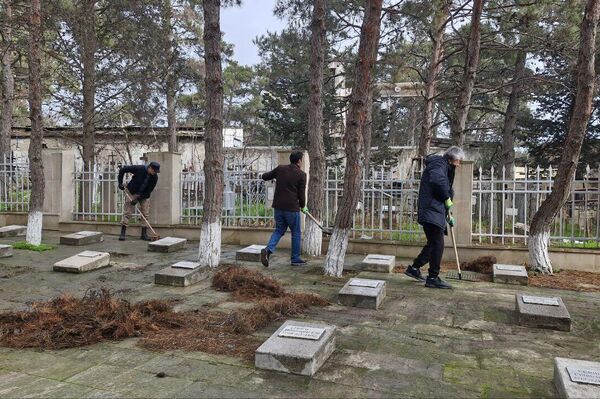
(30, 247)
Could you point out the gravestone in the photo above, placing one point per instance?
(543, 312)
(181, 274)
(12, 231)
(576, 378)
(376, 263)
(510, 274)
(297, 347)
(167, 244)
(249, 254)
(83, 262)
(362, 293)
(6, 251)
(82, 238)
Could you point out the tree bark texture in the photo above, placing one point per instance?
(8, 81)
(313, 236)
(89, 45)
(580, 116)
(512, 112)
(437, 52)
(36, 167)
(170, 78)
(356, 130)
(210, 237)
(463, 102)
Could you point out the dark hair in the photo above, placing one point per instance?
(296, 156)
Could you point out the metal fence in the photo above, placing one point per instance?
(503, 207)
(246, 198)
(97, 197)
(15, 186)
(387, 206)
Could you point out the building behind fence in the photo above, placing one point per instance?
(502, 205)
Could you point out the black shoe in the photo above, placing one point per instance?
(122, 235)
(299, 262)
(436, 282)
(414, 272)
(144, 235)
(264, 257)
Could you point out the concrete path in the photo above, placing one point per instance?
(421, 343)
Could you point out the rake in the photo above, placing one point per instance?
(325, 230)
(155, 235)
(457, 274)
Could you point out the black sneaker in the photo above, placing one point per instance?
(264, 257)
(436, 282)
(414, 272)
(299, 262)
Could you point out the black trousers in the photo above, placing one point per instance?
(434, 249)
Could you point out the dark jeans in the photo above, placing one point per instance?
(283, 220)
(433, 250)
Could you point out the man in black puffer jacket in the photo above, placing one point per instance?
(139, 188)
(435, 202)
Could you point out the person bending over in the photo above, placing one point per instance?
(288, 202)
(434, 204)
(138, 190)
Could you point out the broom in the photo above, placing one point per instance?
(458, 275)
(155, 235)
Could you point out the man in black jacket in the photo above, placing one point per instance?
(289, 200)
(138, 190)
(434, 204)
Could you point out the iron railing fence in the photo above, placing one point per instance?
(15, 185)
(503, 207)
(97, 196)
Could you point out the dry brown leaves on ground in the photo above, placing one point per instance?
(67, 322)
(568, 280)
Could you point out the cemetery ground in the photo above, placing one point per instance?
(422, 342)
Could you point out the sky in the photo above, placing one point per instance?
(240, 25)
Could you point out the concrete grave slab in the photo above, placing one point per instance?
(181, 274)
(297, 347)
(13, 230)
(510, 274)
(167, 244)
(543, 312)
(576, 378)
(6, 251)
(377, 263)
(363, 293)
(82, 238)
(249, 254)
(83, 262)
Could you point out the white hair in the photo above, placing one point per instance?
(454, 153)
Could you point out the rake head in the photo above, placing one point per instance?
(465, 276)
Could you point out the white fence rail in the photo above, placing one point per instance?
(97, 196)
(503, 208)
(15, 186)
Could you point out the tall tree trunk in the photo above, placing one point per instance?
(8, 81)
(512, 111)
(356, 130)
(463, 102)
(437, 52)
(36, 167)
(313, 236)
(539, 237)
(170, 80)
(89, 45)
(210, 233)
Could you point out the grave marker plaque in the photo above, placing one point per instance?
(184, 264)
(584, 375)
(302, 332)
(540, 300)
(358, 282)
(577, 379)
